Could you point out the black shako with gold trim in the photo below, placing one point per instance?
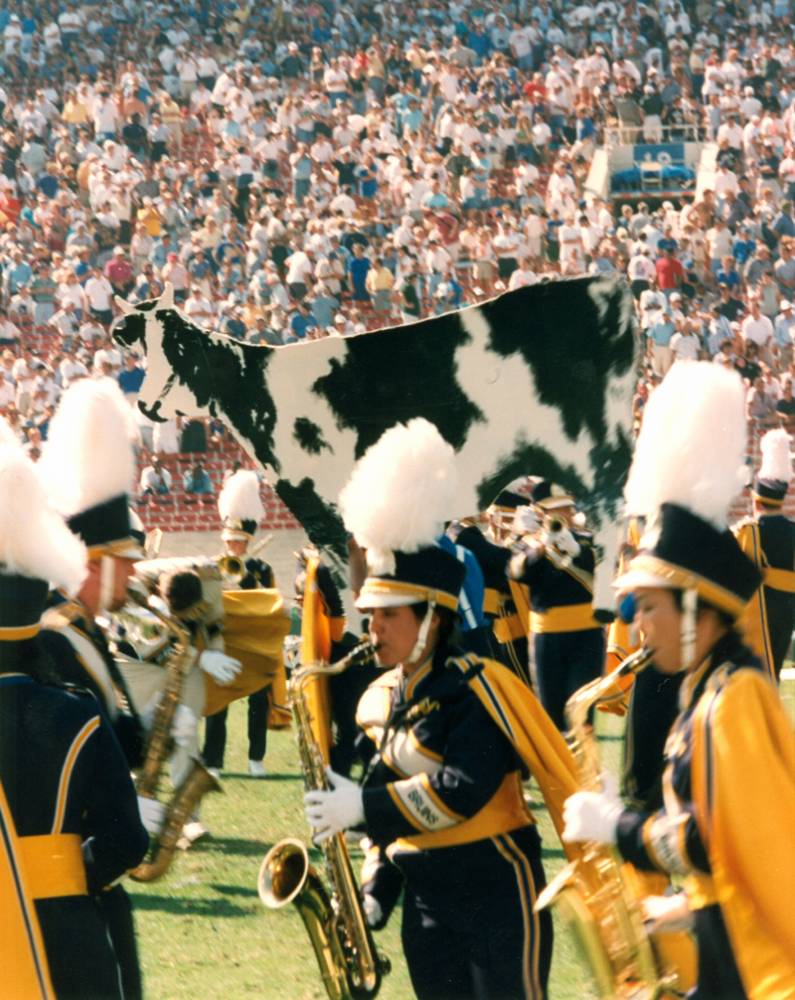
(21, 601)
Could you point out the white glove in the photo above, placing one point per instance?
(153, 814)
(222, 668)
(525, 521)
(373, 913)
(593, 815)
(330, 812)
(665, 914)
(184, 727)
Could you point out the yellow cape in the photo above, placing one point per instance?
(318, 630)
(519, 715)
(22, 955)
(744, 795)
(255, 625)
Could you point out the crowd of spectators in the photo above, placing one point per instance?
(298, 170)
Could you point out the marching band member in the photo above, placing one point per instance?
(768, 539)
(176, 589)
(558, 567)
(506, 603)
(88, 466)
(442, 797)
(728, 819)
(68, 812)
(241, 511)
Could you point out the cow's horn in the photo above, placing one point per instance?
(126, 307)
(166, 300)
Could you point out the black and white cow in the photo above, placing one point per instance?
(538, 381)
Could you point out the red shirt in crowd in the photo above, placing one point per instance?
(119, 272)
(670, 273)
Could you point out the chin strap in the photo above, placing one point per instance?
(688, 632)
(422, 635)
(107, 575)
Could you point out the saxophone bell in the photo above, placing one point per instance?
(283, 873)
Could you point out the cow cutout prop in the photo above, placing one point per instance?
(537, 381)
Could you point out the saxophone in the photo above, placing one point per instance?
(349, 964)
(595, 893)
(197, 782)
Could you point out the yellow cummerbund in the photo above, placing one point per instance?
(509, 628)
(492, 599)
(780, 579)
(504, 812)
(567, 618)
(53, 865)
(700, 891)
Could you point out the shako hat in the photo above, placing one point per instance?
(88, 463)
(36, 547)
(775, 472)
(549, 496)
(240, 505)
(395, 504)
(683, 484)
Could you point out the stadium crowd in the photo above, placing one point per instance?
(300, 170)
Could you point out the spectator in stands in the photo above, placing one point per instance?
(9, 332)
(131, 378)
(156, 479)
(660, 333)
(99, 297)
(119, 272)
(197, 481)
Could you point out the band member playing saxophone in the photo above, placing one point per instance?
(729, 794)
(441, 800)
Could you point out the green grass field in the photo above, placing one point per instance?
(203, 932)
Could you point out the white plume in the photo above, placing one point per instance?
(239, 500)
(88, 457)
(776, 458)
(400, 492)
(691, 446)
(34, 540)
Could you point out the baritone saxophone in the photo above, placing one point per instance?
(595, 894)
(350, 966)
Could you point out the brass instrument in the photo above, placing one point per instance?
(349, 964)
(594, 894)
(198, 781)
(233, 568)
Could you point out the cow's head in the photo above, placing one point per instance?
(157, 329)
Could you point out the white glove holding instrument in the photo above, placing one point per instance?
(337, 809)
(153, 814)
(593, 815)
(373, 913)
(222, 668)
(665, 914)
(525, 521)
